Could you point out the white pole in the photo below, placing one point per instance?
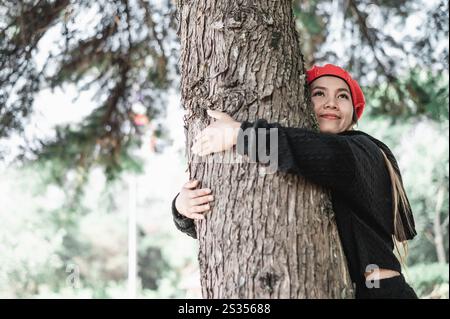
(132, 239)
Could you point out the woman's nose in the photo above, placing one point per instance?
(331, 104)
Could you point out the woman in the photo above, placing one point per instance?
(371, 207)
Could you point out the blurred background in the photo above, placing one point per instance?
(92, 137)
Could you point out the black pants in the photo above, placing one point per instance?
(389, 288)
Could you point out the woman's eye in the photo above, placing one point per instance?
(318, 93)
(345, 96)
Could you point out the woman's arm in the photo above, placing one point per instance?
(189, 204)
(183, 223)
(324, 158)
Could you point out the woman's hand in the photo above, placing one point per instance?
(219, 136)
(193, 202)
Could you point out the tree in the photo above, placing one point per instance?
(118, 49)
(269, 235)
(125, 52)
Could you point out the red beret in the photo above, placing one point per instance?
(329, 69)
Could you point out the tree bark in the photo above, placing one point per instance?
(267, 235)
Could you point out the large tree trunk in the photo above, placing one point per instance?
(268, 235)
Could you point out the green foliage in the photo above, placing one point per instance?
(50, 251)
(419, 138)
(120, 53)
(310, 22)
(355, 37)
(422, 150)
(429, 280)
(125, 54)
(153, 266)
(420, 93)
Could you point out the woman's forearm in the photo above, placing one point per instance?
(183, 223)
(326, 159)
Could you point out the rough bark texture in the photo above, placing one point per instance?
(267, 235)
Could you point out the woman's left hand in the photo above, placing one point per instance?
(219, 136)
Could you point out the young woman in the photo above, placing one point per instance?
(372, 210)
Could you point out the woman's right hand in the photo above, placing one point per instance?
(192, 202)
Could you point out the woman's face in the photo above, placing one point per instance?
(332, 104)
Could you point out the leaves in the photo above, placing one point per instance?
(119, 53)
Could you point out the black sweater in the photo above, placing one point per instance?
(351, 165)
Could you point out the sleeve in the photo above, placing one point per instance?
(323, 158)
(183, 223)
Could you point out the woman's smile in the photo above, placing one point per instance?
(330, 117)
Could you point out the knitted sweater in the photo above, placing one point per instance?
(351, 165)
